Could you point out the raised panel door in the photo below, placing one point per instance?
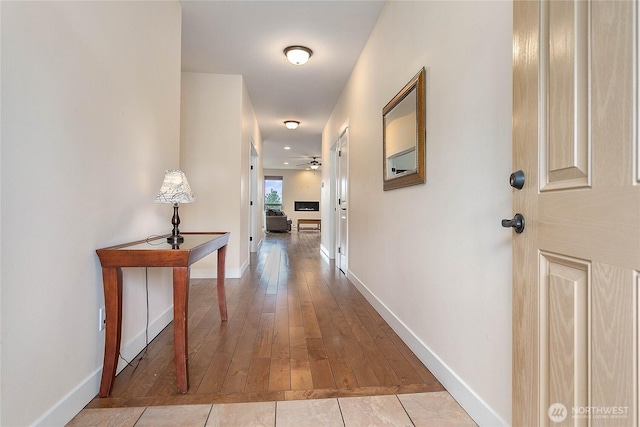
(575, 284)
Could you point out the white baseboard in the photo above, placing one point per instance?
(243, 268)
(259, 245)
(136, 344)
(324, 251)
(477, 408)
(212, 273)
(69, 406)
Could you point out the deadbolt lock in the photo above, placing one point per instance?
(516, 180)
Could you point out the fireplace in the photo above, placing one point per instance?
(307, 206)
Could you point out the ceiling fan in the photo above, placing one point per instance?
(313, 164)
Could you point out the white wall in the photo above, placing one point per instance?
(433, 258)
(217, 125)
(90, 114)
(300, 185)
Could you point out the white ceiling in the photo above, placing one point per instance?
(248, 38)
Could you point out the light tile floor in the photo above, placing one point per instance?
(436, 409)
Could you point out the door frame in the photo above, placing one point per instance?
(342, 144)
(332, 226)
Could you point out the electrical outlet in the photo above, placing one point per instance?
(102, 320)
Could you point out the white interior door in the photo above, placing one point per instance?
(253, 196)
(576, 264)
(343, 197)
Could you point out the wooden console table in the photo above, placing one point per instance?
(156, 252)
(309, 221)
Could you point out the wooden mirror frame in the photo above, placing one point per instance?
(418, 175)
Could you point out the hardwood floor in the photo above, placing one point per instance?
(297, 329)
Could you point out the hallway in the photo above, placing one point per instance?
(297, 330)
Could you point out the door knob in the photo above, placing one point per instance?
(516, 180)
(517, 223)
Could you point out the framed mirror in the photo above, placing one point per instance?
(404, 135)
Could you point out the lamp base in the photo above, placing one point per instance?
(175, 240)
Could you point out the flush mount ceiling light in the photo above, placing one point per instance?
(291, 124)
(298, 55)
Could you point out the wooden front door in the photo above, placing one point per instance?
(576, 265)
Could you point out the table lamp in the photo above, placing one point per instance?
(175, 189)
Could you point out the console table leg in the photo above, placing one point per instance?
(112, 283)
(180, 315)
(222, 299)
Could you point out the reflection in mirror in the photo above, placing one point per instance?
(400, 133)
(403, 162)
(404, 136)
